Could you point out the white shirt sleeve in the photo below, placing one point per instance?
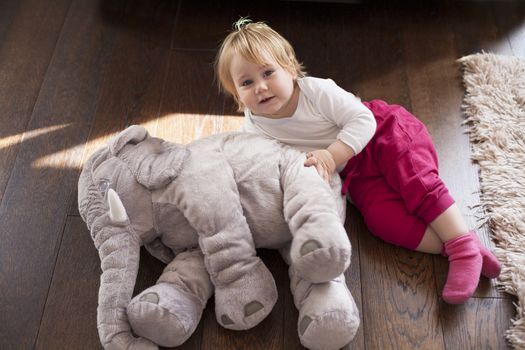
(356, 121)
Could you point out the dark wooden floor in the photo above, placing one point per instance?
(75, 72)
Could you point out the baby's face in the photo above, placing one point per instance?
(266, 90)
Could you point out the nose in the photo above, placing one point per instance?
(260, 87)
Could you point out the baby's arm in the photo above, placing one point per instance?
(327, 160)
(341, 152)
(357, 125)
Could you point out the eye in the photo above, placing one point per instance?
(103, 186)
(268, 72)
(246, 82)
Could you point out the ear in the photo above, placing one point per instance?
(132, 135)
(153, 162)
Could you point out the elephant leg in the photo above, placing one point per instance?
(320, 248)
(169, 312)
(328, 315)
(245, 290)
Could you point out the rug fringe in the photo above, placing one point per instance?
(494, 106)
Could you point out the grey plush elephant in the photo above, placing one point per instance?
(202, 209)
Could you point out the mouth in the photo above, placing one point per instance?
(267, 99)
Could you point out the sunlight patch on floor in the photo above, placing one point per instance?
(13, 140)
(177, 127)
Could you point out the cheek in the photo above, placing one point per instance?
(286, 87)
(245, 97)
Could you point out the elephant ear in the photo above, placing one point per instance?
(132, 135)
(154, 162)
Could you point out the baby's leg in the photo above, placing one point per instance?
(467, 256)
(415, 177)
(408, 163)
(387, 216)
(431, 243)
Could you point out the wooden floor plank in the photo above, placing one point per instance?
(510, 20)
(8, 11)
(33, 208)
(476, 29)
(28, 35)
(484, 319)
(316, 31)
(192, 107)
(136, 76)
(70, 317)
(202, 27)
(376, 53)
(400, 297)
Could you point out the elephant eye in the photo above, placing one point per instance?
(103, 186)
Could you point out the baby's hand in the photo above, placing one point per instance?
(323, 161)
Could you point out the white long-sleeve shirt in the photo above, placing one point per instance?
(325, 113)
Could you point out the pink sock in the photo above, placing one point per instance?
(491, 266)
(464, 270)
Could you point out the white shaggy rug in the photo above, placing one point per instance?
(495, 108)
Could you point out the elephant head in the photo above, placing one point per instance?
(114, 199)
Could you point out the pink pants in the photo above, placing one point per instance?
(394, 181)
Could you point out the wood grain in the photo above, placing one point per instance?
(476, 28)
(33, 207)
(400, 297)
(509, 18)
(478, 324)
(202, 27)
(137, 69)
(28, 34)
(186, 113)
(70, 314)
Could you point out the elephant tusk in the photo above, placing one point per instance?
(117, 212)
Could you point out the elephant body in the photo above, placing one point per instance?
(257, 180)
(203, 209)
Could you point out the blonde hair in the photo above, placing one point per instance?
(252, 41)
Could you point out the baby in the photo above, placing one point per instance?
(383, 153)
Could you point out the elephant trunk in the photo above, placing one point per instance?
(119, 255)
(119, 250)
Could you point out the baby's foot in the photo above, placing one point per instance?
(491, 266)
(464, 270)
